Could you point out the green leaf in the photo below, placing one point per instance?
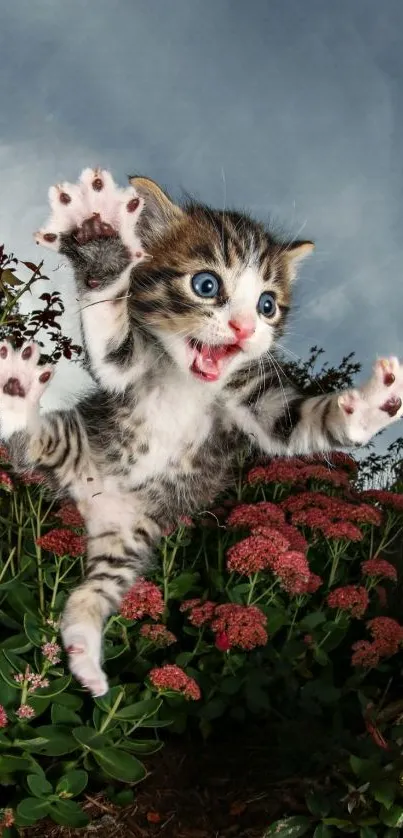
(322, 831)
(361, 767)
(183, 583)
(392, 816)
(142, 746)
(32, 809)
(68, 813)
(55, 687)
(60, 741)
(64, 716)
(73, 702)
(318, 804)
(106, 702)
(32, 630)
(120, 765)
(213, 709)
(34, 744)
(7, 672)
(72, 783)
(367, 832)
(90, 738)
(312, 620)
(22, 601)
(17, 643)
(9, 764)
(320, 656)
(276, 619)
(385, 792)
(39, 786)
(289, 827)
(134, 712)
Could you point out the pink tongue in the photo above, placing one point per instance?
(207, 361)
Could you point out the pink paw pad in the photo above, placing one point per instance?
(13, 387)
(75, 650)
(392, 406)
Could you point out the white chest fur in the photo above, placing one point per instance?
(177, 417)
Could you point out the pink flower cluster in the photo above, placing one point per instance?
(242, 625)
(200, 612)
(393, 500)
(143, 599)
(7, 819)
(34, 680)
(25, 712)
(352, 598)
(6, 482)
(158, 634)
(268, 549)
(3, 717)
(387, 637)
(379, 568)
(233, 624)
(172, 677)
(255, 514)
(256, 553)
(62, 542)
(297, 471)
(332, 516)
(69, 515)
(51, 651)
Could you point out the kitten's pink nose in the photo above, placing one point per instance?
(244, 327)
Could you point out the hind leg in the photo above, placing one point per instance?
(120, 541)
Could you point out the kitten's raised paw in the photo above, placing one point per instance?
(375, 405)
(22, 382)
(94, 208)
(82, 646)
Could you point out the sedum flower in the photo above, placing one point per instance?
(70, 515)
(6, 482)
(387, 637)
(172, 677)
(51, 651)
(25, 712)
(352, 598)
(144, 599)
(256, 553)
(243, 625)
(199, 612)
(255, 514)
(379, 568)
(158, 634)
(62, 542)
(3, 717)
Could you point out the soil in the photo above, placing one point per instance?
(194, 790)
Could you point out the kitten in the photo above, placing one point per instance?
(180, 309)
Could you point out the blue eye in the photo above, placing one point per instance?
(205, 284)
(267, 304)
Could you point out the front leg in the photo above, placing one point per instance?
(93, 223)
(55, 442)
(285, 422)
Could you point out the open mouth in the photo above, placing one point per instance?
(207, 361)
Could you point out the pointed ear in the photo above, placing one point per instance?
(159, 211)
(294, 253)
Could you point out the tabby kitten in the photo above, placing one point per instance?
(180, 309)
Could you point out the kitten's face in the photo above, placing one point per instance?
(216, 290)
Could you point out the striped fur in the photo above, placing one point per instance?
(153, 441)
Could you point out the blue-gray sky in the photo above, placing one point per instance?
(292, 110)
